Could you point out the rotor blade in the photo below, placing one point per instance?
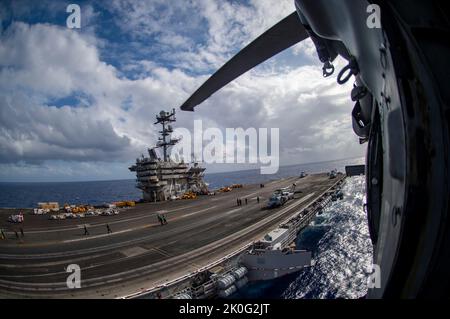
(281, 36)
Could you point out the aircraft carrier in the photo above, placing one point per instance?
(141, 257)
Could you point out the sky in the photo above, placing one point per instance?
(79, 104)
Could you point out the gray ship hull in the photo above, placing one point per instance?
(271, 264)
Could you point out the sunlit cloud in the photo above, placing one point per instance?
(88, 98)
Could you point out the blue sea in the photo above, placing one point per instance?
(25, 195)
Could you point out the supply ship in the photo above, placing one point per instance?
(162, 179)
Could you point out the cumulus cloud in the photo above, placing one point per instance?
(43, 62)
(36, 133)
(312, 113)
(51, 61)
(196, 36)
(62, 102)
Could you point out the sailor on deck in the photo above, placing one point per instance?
(159, 219)
(86, 232)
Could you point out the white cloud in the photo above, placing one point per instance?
(113, 121)
(198, 35)
(51, 61)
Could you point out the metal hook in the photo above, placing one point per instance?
(328, 69)
(351, 69)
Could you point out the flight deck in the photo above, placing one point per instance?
(140, 252)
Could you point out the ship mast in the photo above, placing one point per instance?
(164, 118)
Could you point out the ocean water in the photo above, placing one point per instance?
(342, 254)
(21, 195)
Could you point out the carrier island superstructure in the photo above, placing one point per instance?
(161, 179)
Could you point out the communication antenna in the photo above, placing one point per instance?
(164, 118)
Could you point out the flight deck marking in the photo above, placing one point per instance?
(124, 231)
(219, 242)
(193, 213)
(116, 232)
(246, 196)
(131, 218)
(162, 252)
(165, 253)
(55, 263)
(133, 251)
(232, 211)
(104, 224)
(103, 247)
(138, 228)
(133, 229)
(130, 252)
(266, 220)
(215, 243)
(106, 235)
(55, 255)
(127, 253)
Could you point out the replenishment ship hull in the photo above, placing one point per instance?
(272, 264)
